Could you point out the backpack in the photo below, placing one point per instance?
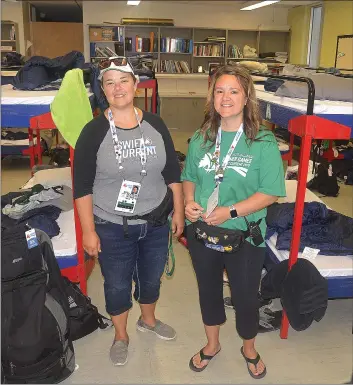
(35, 338)
(84, 317)
(325, 182)
(60, 157)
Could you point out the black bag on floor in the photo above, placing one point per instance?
(35, 338)
(323, 182)
(84, 317)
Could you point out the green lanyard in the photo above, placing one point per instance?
(169, 270)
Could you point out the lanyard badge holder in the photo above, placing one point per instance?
(220, 169)
(129, 190)
(118, 147)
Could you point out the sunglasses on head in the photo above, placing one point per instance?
(118, 61)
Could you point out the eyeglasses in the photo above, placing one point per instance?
(118, 61)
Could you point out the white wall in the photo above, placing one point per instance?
(184, 14)
(13, 12)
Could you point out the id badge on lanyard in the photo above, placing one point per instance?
(220, 169)
(127, 197)
(129, 190)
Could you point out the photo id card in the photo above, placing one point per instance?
(128, 195)
(212, 202)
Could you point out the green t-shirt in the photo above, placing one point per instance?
(252, 168)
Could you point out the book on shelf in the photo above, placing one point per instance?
(176, 45)
(141, 44)
(234, 52)
(209, 50)
(105, 51)
(175, 66)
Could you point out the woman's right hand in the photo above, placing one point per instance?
(91, 243)
(193, 211)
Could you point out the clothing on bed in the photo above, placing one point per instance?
(39, 196)
(272, 85)
(13, 135)
(323, 229)
(51, 86)
(39, 70)
(302, 290)
(43, 218)
(327, 87)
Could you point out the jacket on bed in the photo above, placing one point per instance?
(39, 70)
(323, 229)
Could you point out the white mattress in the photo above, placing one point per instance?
(328, 265)
(320, 106)
(11, 96)
(22, 142)
(64, 244)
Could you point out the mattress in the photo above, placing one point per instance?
(17, 107)
(280, 109)
(22, 142)
(64, 244)
(329, 266)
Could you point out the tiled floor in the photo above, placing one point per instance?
(321, 354)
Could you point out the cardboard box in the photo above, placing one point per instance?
(95, 34)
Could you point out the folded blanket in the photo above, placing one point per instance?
(323, 229)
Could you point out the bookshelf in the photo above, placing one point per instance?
(176, 46)
(183, 50)
(9, 38)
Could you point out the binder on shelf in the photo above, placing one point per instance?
(119, 48)
(128, 44)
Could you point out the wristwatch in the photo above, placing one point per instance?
(233, 212)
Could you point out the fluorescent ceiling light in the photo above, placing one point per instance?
(259, 5)
(133, 2)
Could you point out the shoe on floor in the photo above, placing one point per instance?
(162, 330)
(119, 352)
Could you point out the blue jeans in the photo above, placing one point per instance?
(140, 258)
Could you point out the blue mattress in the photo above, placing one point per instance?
(280, 110)
(18, 107)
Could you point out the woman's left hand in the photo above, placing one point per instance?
(178, 223)
(218, 216)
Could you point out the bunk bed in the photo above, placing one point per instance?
(17, 108)
(279, 110)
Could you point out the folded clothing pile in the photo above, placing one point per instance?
(38, 207)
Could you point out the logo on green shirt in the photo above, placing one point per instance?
(240, 163)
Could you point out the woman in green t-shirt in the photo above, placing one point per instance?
(233, 171)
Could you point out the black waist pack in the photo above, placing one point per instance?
(220, 239)
(158, 216)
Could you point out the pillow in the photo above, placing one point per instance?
(51, 178)
(254, 66)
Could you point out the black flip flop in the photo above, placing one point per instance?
(253, 361)
(203, 356)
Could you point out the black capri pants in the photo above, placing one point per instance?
(244, 273)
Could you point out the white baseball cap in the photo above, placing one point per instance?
(117, 63)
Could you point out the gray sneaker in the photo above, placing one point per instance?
(162, 330)
(118, 352)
